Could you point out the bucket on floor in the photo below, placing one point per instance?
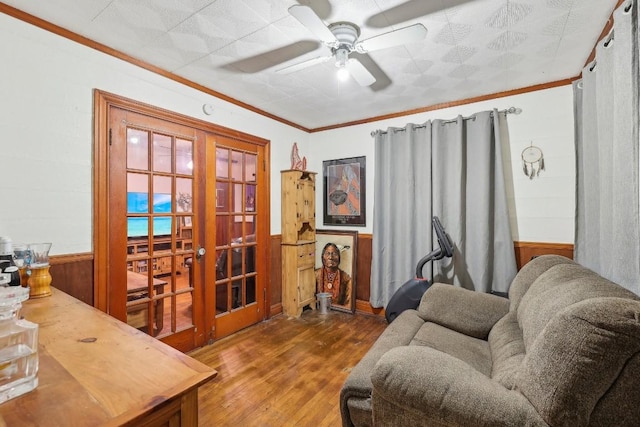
(323, 300)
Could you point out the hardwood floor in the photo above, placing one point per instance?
(284, 371)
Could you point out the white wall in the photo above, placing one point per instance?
(46, 118)
(541, 210)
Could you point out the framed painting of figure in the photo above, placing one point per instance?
(335, 267)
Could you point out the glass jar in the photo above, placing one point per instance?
(18, 345)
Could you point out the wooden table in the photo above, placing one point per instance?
(137, 282)
(96, 370)
(137, 298)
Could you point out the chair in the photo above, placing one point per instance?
(236, 270)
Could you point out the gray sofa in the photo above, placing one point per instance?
(562, 350)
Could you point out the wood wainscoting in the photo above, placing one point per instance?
(525, 251)
(73, 273)
(276, 276)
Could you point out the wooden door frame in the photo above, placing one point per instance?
(103, 101)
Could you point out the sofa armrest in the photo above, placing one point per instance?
(468, 312)
(418, 385)
(357, 386)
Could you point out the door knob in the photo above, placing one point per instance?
(200, 252)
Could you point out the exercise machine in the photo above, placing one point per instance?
(410, 293)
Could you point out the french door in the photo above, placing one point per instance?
(235, 205)
(181, 239)
(153, 225)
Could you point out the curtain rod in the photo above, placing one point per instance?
(510, 110)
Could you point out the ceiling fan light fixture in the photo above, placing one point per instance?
(342, 56)
(343, 74)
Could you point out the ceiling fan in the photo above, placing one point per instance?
(342, 39)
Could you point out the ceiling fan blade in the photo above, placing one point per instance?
(382, 79)
(410, 34)
(409, 10)
(269, 59)
(307, 17)
(359, 73)
(304, 64)
(322, 8)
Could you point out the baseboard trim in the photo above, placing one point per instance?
(364, 307)
(275, 309)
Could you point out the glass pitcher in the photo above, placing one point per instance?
(18, 345)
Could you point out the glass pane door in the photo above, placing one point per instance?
(239, 287)
(235, 223)
(160, 188)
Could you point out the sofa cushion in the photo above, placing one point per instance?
(507, 350)
(578, 357)
(473, 351)
(421, 386)
(556, 289)
(474, 314)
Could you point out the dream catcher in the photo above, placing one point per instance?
(532, 161)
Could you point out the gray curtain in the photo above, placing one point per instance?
(606, 132)
(452, 169)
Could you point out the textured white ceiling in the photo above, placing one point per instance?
(473, 48)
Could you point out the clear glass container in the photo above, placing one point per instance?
(39, 254)
(18, 345)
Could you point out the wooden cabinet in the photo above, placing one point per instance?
(298, 206)
(298, 278)
(298, 241)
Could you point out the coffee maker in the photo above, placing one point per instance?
(6, 253)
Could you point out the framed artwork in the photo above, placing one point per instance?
(344, 199)
(183, 202)
(335, 267)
